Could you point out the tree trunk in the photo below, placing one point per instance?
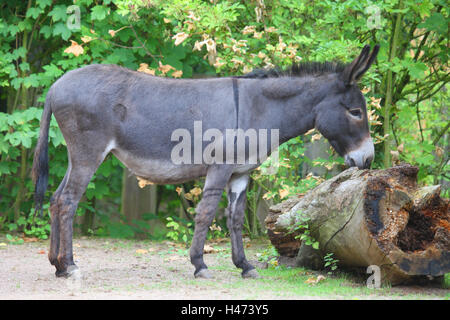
(390, 87)
(137, 201)
(370, 217)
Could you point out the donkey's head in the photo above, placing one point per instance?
(342, 115)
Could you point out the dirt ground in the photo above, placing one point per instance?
(120, 269)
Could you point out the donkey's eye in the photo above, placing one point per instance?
(355, 112)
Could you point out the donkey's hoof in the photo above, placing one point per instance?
(251, 274)
(204, 274)
(72, 272)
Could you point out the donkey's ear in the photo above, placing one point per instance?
(355, 70)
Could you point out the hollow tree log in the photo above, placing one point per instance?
(370, 217)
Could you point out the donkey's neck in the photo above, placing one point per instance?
(299, 112)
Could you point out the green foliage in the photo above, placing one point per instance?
(269, 255)
(14, 239)
(179, 230)
(330, 262)
(221, 37)
(302, 227)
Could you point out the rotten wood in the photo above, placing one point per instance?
(370, 217)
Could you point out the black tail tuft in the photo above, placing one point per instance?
(40, 161)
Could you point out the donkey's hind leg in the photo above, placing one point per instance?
(77, 181)
(83, 162)
(54, 233)
(237, 197)
(216, 180)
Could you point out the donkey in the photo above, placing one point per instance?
(104, 108)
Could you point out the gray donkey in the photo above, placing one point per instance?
(103, 108)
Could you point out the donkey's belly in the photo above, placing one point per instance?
(160, 171)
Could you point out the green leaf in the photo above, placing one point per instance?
(416, 69)
(44, 3)
(25, 25)
(13, 29)
(46, 31)
(99, 12)
(4, 168)
(424, 8)
(59, 13)
(16, 83)
(61, 29)
(33, 12)
(435, 22)
(31, 81)
(24, 66)
(3, 149)
(21, 221)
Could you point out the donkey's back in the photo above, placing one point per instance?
(133, 115)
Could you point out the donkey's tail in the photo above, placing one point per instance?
(40, 162)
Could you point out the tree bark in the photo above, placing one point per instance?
(370, 217)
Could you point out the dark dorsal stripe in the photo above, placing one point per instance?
(236, 99)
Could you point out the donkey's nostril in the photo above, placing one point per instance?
(367, 163)
(352, 163)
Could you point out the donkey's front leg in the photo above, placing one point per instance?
(237, 197)
(216, 180)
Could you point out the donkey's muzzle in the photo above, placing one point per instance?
(362, 156)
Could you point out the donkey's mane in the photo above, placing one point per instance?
(298, 70)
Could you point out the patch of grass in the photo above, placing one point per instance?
(446, 284)
(287, 283)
